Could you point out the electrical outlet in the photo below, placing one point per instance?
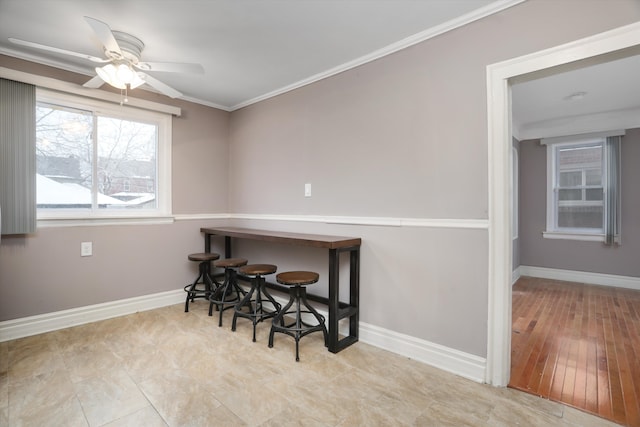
(307, 190)
(86, 249)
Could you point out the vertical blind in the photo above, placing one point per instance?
(612, 217)
(17, 157)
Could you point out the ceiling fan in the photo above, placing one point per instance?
(124, 69)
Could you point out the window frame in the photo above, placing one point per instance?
(163, 121)
(553, 231)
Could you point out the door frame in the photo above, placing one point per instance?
(500, 168)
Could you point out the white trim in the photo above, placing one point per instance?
(628, 282)
(33, 325)
(594, 140)
(584, 237)
(199, 217)
(480, 224)
(448, 359)
(583, 138)
(68, 87)
(515, 275)
(490, 9)
(91, 222)
(499, 140)
(372, 221)
(617, 119)
(515, 188)
(163, 125)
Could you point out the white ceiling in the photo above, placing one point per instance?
(599, 94)
(250, 49)
(254, 49)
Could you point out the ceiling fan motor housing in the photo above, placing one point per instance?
(130, 46)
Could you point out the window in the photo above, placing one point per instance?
(100, 160)
(578, 179)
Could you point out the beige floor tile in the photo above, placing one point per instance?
(108, 396)
(147, 417)
(44, 389)
(165, 367)
(184, 401)
(84, 361)
(33, 356)
(4, 356)
(294, 416)
(4, 377)
(67, 413)
(44, 399)
(4, 417)
(574, 417)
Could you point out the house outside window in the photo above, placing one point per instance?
(96, 159)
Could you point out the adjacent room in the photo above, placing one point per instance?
(575, 324)
(368, 143)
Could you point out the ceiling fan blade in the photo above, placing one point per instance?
(58, 50)
(170, 67)
(103, 31)
(157, 84)
(94, 83)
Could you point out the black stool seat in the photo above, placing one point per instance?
(253, 308)
(204, 288)
(229, 293)
(297, 280)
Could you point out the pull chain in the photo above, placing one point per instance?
(124, 95)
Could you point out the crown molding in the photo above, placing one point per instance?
(468, 18)
(577, 125)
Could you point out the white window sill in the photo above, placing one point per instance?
(586, 237)
(90, 222)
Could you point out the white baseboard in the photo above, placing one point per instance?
(447, 359)
(515, 275)
(33, 325)
(628, 282)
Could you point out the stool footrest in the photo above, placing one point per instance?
(298, 328)
(257, 312)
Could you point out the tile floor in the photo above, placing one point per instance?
(169, 368)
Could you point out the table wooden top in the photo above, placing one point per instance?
(301, 239)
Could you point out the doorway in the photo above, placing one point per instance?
(499, 78)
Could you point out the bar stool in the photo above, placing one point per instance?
(221, 297)
(201, 289)
(297, 280)
(256, 312)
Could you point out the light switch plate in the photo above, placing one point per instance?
(307, 190)
(86, 249)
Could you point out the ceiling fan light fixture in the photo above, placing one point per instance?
(120, 76)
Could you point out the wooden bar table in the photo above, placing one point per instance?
(335, 245)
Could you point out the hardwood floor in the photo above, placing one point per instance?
(578, 344)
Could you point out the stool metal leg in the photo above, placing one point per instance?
(209, 285)
(220, 298)
(299, 328)
(257, 313)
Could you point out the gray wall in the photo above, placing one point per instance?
(592, 257)
(404, 136)
(43, 272)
